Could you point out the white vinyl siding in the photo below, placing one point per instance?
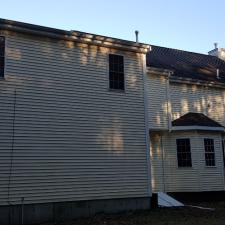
(184, 98)
(194, 98)
(157, 102)
(73, 139)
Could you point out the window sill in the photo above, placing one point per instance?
(208, 167)
(185, 168)
(117, 90)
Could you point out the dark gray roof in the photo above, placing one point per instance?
(187, 64)
(195, 119)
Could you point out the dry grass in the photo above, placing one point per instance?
(163, 216)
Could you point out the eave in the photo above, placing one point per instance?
(201, 128)
(75, 36)
(158, 71)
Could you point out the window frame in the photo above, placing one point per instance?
(4, 58)
(124, 74)
(178, 153)
(209, 152)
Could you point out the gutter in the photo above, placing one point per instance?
(147, 138)
(204, 128)
(159, 71)
(182, 80)
(76, 36)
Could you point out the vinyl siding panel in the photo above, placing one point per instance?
(157, 165)
(72, 138)
(184, 98)
(194, 98)
(157, 101)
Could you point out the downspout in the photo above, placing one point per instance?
(12, 146)
(147, 139)
(168, 100)
(223, 156)
(169, 118)
(163, 167)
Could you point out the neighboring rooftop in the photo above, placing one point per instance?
(195, 119)
(187, 64)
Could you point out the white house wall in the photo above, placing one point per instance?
(157, 102)
(194, 98)
(184, 98)
(64, 136)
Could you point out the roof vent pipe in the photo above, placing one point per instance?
(217, 73)
(216, 45)
(136, 34)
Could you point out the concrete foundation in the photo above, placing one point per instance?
(67, 211)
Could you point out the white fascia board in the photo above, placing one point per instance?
(206, 128)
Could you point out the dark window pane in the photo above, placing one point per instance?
(2, 52)
(184, 153)
(111, 84)
(121, 85)
(1, 72)
(116, 72)
(209, 152)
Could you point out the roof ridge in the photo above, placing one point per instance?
(180, 50)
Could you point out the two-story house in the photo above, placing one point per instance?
(95, 124)
(186, 96)
(74, 136)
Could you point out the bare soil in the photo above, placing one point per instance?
(161, 216)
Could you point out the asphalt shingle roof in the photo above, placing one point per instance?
(195, 119)
(187, 64)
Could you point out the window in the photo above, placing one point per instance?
(2, 56)
(184, 152)
(209, 152)
(116, 72)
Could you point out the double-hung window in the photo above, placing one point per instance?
(184, 152)
(209, 152)
(116, 72)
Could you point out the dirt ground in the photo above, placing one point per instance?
(162, 216)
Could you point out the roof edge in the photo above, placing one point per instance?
(205, 128)
(159, 71)
(183, 80)
(75, 36)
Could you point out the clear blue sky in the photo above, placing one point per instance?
(192, 25)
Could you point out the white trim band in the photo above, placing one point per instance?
(206, 128)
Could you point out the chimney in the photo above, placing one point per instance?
(218, 52)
